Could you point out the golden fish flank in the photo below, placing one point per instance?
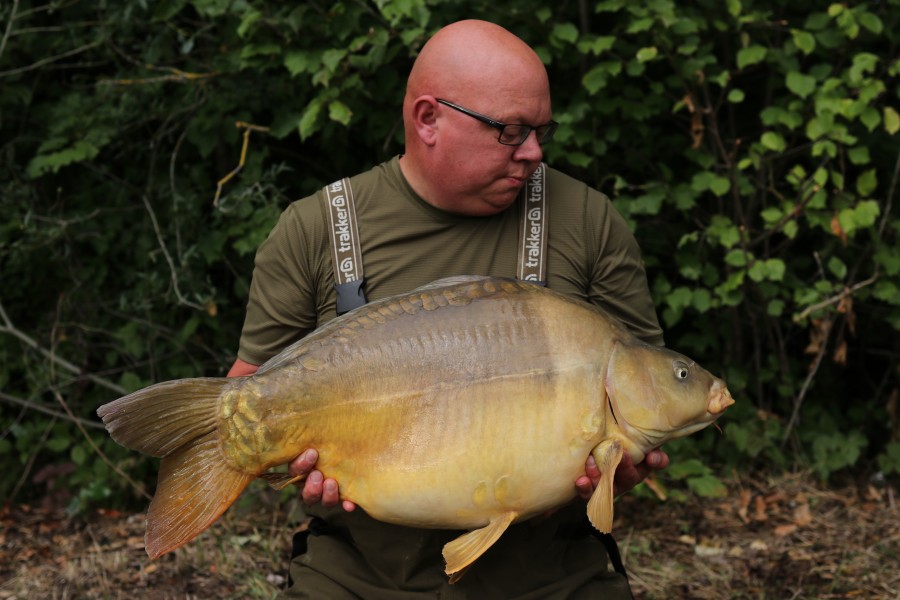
(470, 403)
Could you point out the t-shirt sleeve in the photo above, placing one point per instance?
(281, 308)
(618, 280)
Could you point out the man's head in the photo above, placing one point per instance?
(452, 159)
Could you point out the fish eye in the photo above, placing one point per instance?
(682, 370)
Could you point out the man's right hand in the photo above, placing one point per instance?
(317, 489)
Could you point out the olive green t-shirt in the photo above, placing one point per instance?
(406, 243)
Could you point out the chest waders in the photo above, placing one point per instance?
(349, 281)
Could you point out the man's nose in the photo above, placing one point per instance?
(530, 149)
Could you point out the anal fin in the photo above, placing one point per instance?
(600, 506)
(464, 550)
(279, 481)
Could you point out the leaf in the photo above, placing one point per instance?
(750, 56)
(866, 183)
(301, 61)
(891, 120)
(565, 32)
(804, 41)
(859, 155)
(871, 22)
(597, 46)
(773, 141)
(736, 96)
(595, 79)
(338, 111)
(308, 122)
(647, 54)
(800, 84)
(80, 151)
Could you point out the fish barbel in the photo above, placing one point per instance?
(470, 403)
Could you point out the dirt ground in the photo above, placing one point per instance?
(781, 537)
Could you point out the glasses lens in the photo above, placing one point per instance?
(513, 135)
(545, 132)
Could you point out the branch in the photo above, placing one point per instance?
(890, 198)
(847, 291)
(46, 61)
(12, 17)
(9, 328)
(48, 411)
(137, 487)
(798, 401)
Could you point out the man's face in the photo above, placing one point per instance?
(480, 174)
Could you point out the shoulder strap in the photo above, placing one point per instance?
(533, 228)
(346, 255)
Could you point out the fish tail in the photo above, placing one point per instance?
(177, 421)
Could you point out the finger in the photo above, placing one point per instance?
(657, 460)
(312, 489)
(584, 487)
(330, 493)
(348, 506)
(304, 463)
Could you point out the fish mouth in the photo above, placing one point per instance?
(719, 398)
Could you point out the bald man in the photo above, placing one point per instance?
(476, 112)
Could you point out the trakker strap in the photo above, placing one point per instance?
(346, 254)
(533, 228)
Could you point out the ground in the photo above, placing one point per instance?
(778, 537)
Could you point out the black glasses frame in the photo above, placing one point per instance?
(544, 133)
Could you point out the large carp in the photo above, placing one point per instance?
(470, 403)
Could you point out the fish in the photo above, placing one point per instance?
(470, 403)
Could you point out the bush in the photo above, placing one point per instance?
(753, 148)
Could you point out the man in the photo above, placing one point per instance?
(476, 110)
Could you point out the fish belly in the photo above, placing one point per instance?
(455, 458)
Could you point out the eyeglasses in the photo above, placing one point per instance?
(511, 134)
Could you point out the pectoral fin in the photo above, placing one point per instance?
(279, 481)
(464, 550)
(600, 507)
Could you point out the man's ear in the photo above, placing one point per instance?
(424, 119)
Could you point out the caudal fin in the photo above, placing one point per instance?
(176, 421)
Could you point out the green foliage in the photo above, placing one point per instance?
(751, 145)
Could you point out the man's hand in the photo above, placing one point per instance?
(317, 489)
(628, 474)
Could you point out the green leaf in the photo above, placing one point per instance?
(750, 56)
(338, 111)
(804, 41)
(870, 117)
(891, 120)
(859, 155)
(871, 22)
(647, 54)
(595, 79)
(866, 183)
(737, 258)
(309, 121)
(565, 32)
(837, 267)
(596, 46)
(736, 96)
(80, 151)
(800, 84)
(720, 186)
(302, 61)
(773, 141)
